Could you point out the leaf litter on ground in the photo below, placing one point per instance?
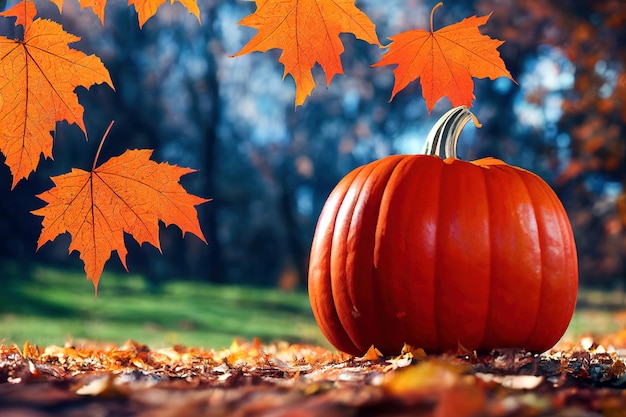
(585, 378)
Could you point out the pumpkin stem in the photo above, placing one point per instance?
(445, 133)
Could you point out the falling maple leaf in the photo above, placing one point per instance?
(96, 5)
(38, 76)
(128, 193)
(24, 12)
(445, 60)
(145, 8)
(148, 8)
(307, 31)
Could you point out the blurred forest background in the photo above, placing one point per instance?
(268, 167)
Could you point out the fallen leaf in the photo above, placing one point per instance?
(99, 385)
(128, 193)
(414, 352)
(445, 60)
(38, 79)
(307, 31)
(461, 401)
(372, 354)
(302, 380)
(423, 376)
(518, 382)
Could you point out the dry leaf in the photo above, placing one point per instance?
(372, 354)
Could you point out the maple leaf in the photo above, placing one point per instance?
(145, 8)
(148, 8)
(96, 5)
(38, 76)
(445, 60)
(307, 31)
(128, 193)
(24, 12)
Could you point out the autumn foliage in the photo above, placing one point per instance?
(98, 207)
(130, 194)
(40, 72)
(308, 32)
(250, 378)
(145, 8)
(38, 78)
(445, 60)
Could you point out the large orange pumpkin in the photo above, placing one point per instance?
(438, 253)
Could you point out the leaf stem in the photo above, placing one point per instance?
(432, 13)
(95, 160)
(445, 133)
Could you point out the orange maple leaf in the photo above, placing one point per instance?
(145, 8)
(445, 60)
(128, 193)
(148, 8)
(24, 12)
(96, 5)
(38, 76)
(307, 31)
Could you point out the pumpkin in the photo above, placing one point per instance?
(440, 253)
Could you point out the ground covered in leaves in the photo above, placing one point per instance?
(583, 379)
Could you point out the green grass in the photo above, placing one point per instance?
(51, 306)
(598, 313)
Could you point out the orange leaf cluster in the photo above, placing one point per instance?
(283, 379)
(145, 8)
(38, 79)
(129, 193)
(307, 31)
